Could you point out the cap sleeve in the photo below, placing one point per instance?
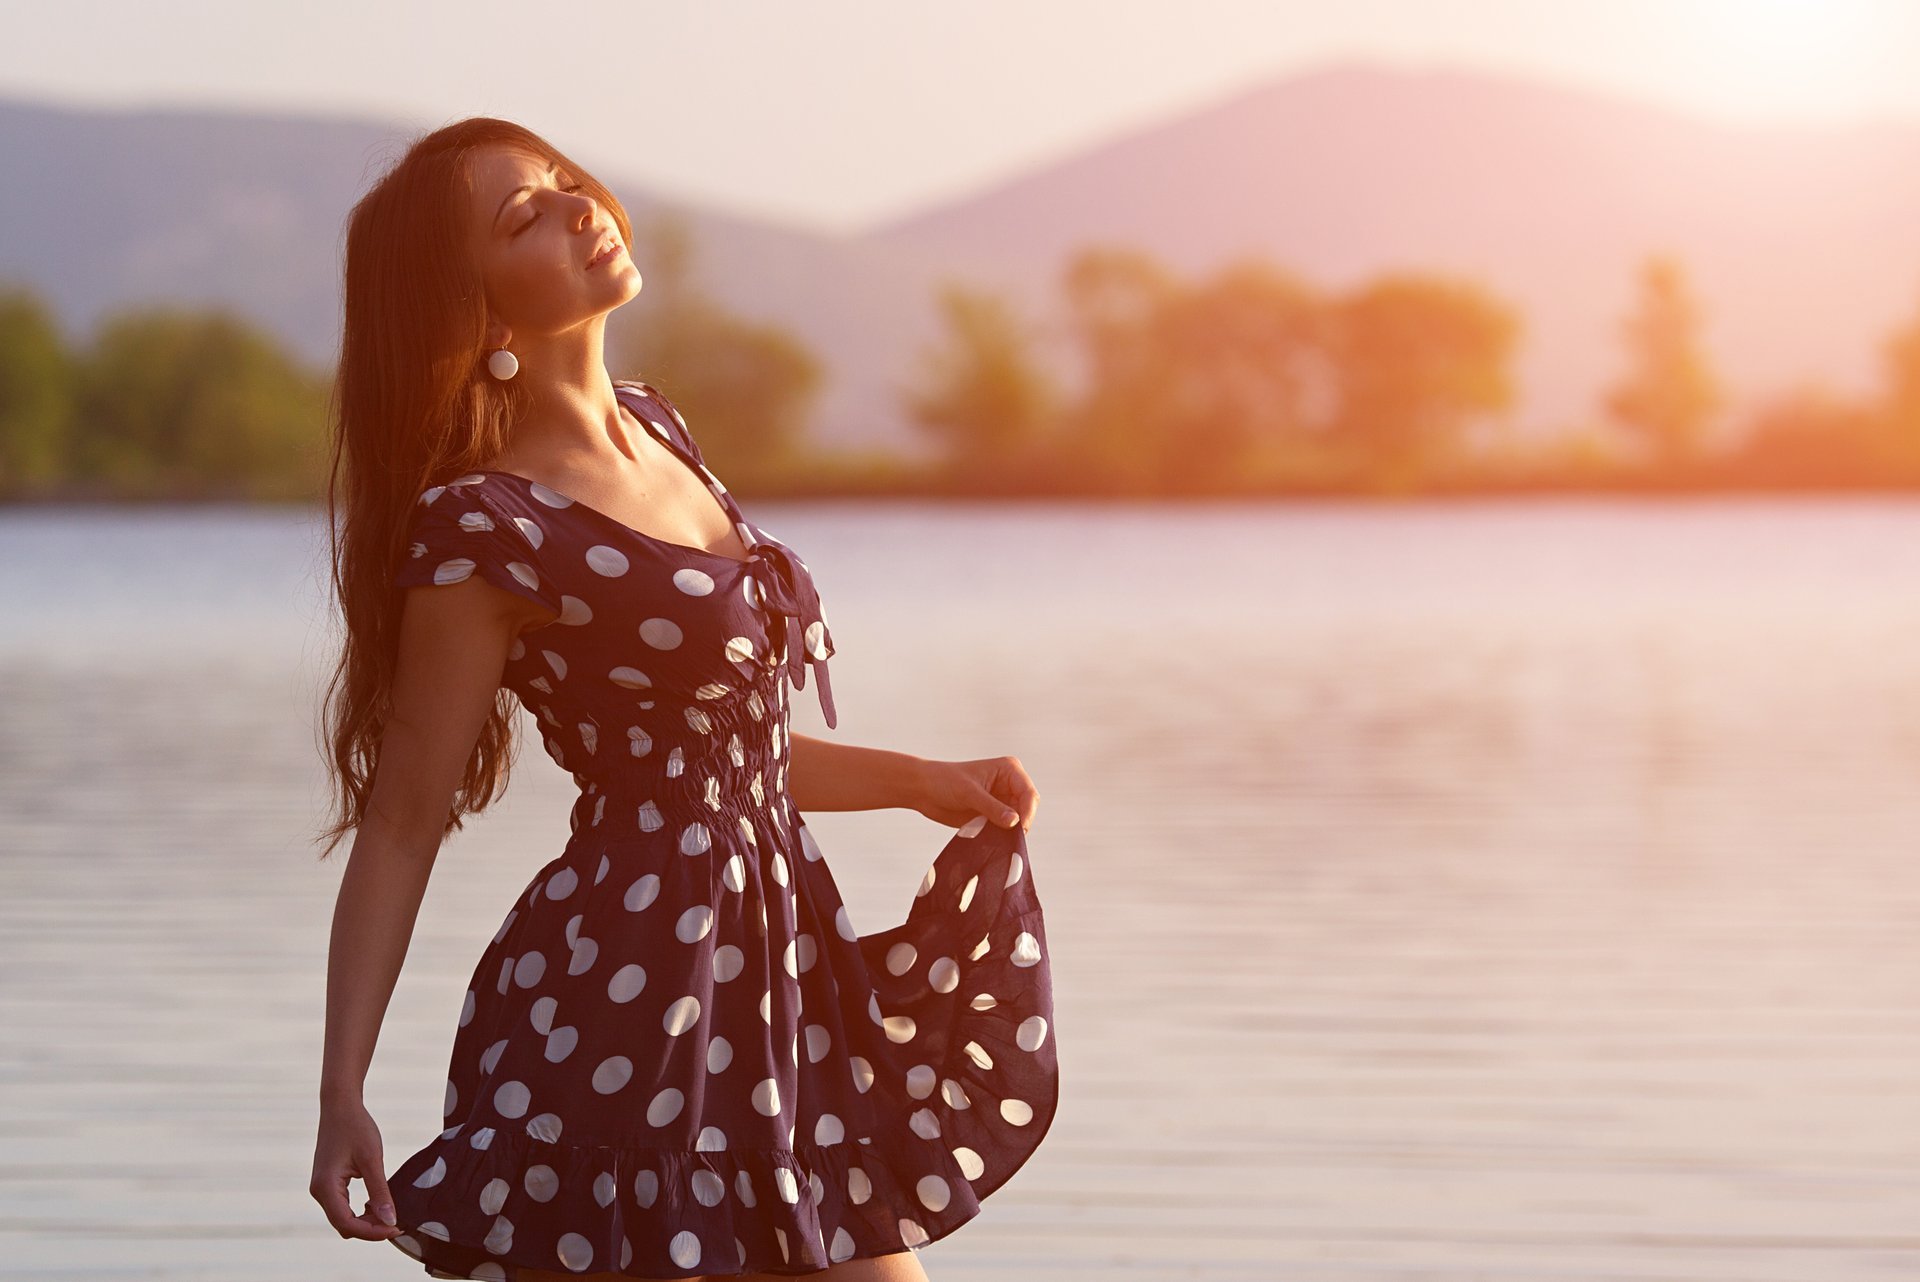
(455, 534)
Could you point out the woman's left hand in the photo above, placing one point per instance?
(953, 792)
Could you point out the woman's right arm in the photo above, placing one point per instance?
(453, 644)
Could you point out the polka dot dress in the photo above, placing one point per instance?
(677, 1056)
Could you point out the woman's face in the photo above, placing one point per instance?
(533, 233)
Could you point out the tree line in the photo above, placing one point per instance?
(1244, 381)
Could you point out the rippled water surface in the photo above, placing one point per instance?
(1437, 891)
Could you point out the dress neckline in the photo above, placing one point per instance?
(748, 536)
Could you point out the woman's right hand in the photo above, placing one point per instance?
(349, 1148)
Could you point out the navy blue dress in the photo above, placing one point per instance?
(678, 1056)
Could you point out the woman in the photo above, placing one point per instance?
(676, 1058)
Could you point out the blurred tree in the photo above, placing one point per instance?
(1669, 393)
(745, 388)
(190, 402)
(1899, 406)
(1418, 359)
(981, 395)
(36, 393)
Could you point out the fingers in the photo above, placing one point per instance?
(331, 1193)
(379, 1201)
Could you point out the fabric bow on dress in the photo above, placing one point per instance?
(786, 591)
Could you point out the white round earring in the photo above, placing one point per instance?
(503, 364)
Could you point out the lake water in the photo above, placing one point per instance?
(1436, 891)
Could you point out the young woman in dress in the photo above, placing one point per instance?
(676, 1057)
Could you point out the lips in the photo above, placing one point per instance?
(612, 247)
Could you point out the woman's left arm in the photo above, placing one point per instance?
(825, 775)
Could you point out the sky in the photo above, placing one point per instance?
(840, 114)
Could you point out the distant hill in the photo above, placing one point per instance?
(1800, 241)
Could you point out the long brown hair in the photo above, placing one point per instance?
(411, 406)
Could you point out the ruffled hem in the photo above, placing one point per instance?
(649, 1212)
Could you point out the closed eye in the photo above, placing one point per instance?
(536, 218)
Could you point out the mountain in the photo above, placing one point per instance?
(1800, 241)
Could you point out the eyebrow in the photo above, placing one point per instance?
(516, 191)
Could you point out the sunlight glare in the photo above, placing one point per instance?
(1789, 57)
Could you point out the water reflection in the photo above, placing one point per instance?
(1453, 890)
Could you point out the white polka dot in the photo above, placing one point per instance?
(900, 1028)
(613, 1073)
(842, 1248)
(843, 924)
(734, 875)
(604, 1188)
(719, 1055)
(819, 1041)
(934, 1193)
(708, 1188)
(924, 1124)
(743, 1186)
(684, 1249)
(978, 1054)
(511, 1099)
(574, 1251)
(643, 892)
(712, 1139)
(494, 1196)
(693, 582)
(528, 970)
(562, 883)
(920, 1080)
(602, 559)
(983, 1001)
(695, 839)
(1032, 1032)
(787, 1186)
(828, 1130)
(629, 678)
(627, 982)
(682, 1015)
(900, 958)
(541, 1183)
(766, 1007)
(661, 634)
(646, 1187)
(954, 1094)
(911, 1233)
(545, 1127)
(728, 962)
(862, 1074)
(560, 1043)
(966, 893)
(970, 1164)
(859, 1187)
(432, 1175)
(808, 952)
(1013, 868)
(766, 1097)
(694, 924)
(1026, 949)
(665, 1107)
(779, 863)
(1017, 1111)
